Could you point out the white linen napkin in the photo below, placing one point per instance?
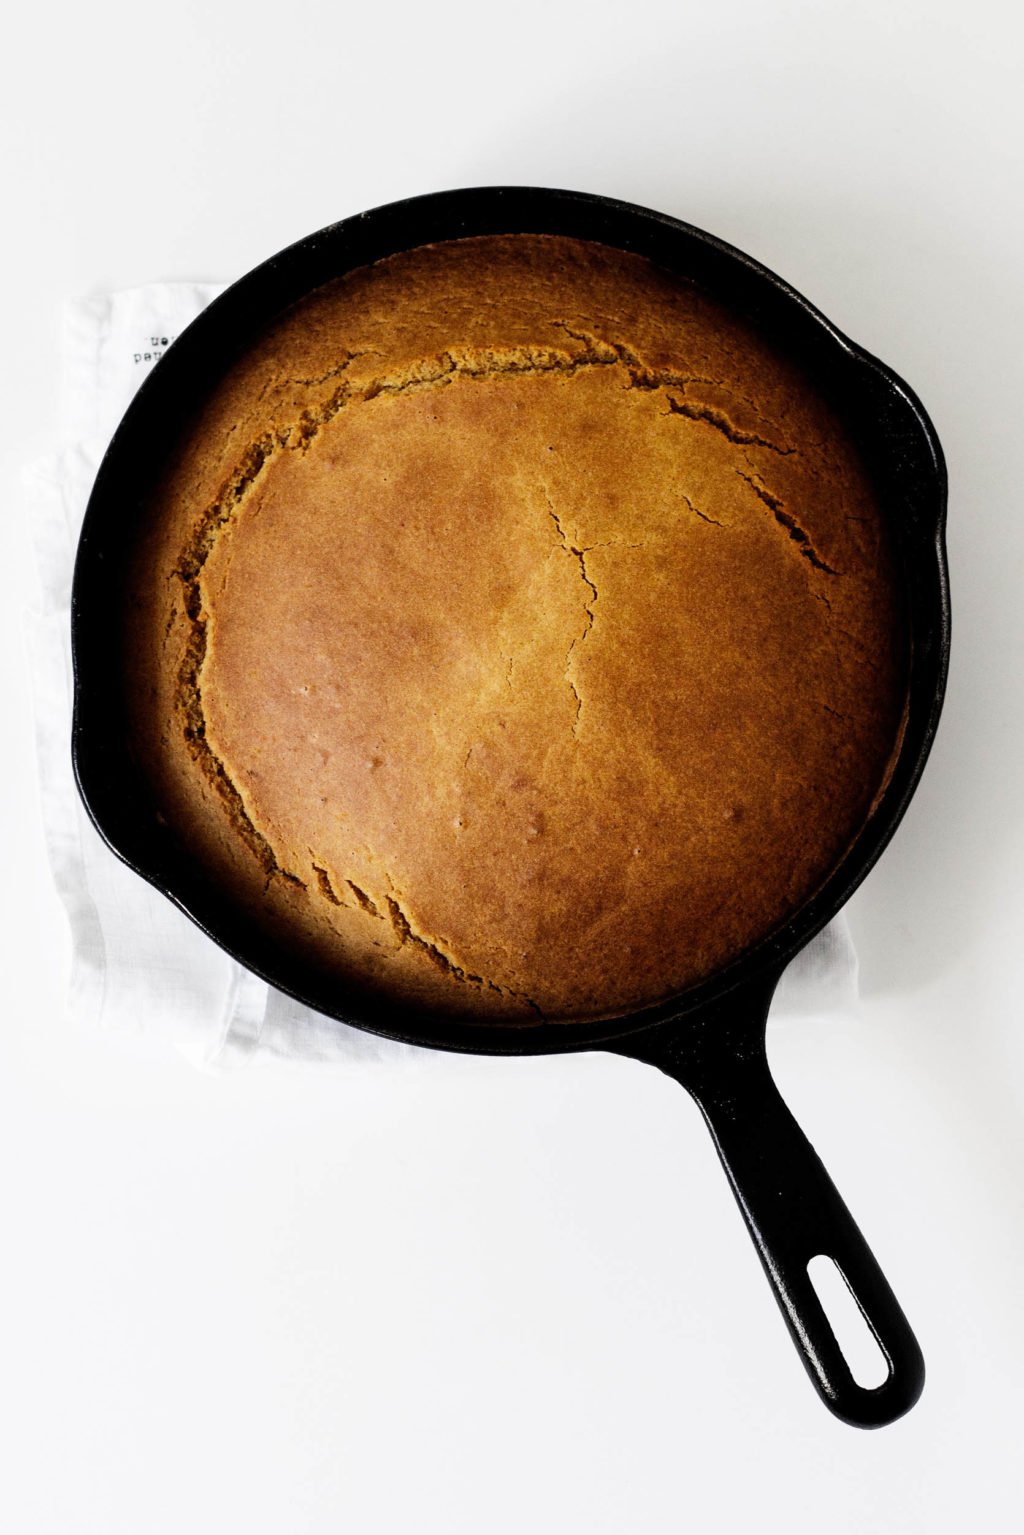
(137, 964)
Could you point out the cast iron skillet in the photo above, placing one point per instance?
(710, 1039)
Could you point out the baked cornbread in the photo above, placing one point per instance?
(516, 631)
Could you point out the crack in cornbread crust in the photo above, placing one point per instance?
(580, 556)
(743, 431)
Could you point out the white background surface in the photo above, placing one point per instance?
(510, 1296)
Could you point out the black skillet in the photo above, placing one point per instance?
(711, 1039)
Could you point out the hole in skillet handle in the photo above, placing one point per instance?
(792, 1209)
(868, 1365)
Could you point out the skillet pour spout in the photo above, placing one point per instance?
(711, 1038)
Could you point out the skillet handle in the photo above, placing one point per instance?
(792, 1208)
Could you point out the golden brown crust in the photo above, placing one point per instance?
(518, 630)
